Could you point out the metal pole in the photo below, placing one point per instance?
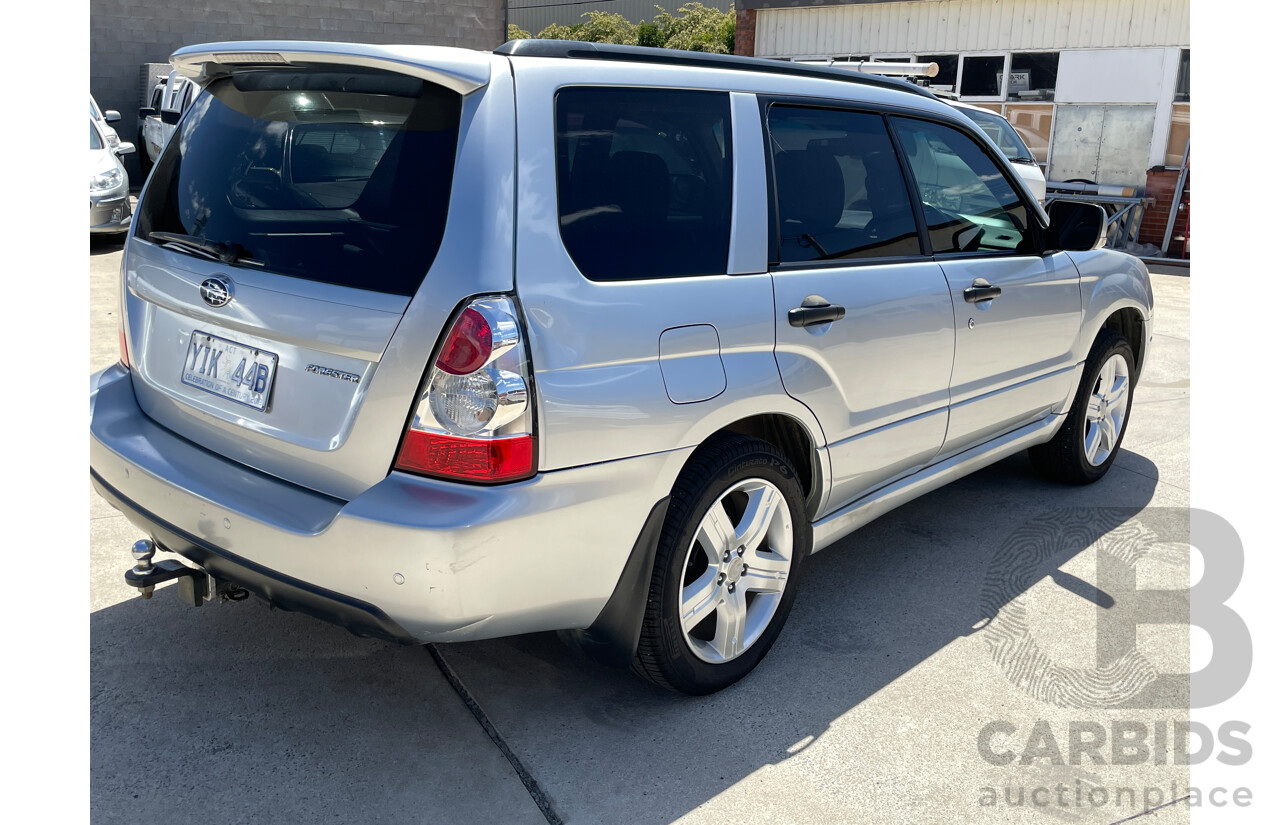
(1177, 199)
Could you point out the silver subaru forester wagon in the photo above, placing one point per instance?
(444, 345)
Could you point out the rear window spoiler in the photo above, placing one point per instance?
(461, 70)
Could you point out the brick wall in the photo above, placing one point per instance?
(744, 34)
(124, 34)
(1161, 184)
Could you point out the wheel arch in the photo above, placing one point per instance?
(795, 441)
(614, 636)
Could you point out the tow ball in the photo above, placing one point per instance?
(195, 585)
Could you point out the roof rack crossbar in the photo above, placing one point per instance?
(675, 57)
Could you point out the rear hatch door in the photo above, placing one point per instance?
(281, 289)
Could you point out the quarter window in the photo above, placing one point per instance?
(840, 190)
(969, 205)
(644, 181)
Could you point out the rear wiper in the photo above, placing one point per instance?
(227, 253)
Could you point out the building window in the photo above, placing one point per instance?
(1182, 92)
(1033, 75)
(982, 76)
(947, 66)
(1179, 135)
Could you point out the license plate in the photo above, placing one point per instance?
(242, 373)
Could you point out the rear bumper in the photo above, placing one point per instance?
(410, 558)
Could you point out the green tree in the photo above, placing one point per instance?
(606, 27)
(555, 32)
(514, 32)
(649, 34)
(697, 28)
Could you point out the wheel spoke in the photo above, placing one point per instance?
(1117, 391)
(765, 579)
(715, 532)
(699, 599)
(1094, 411)
(1092, 441)
(731, 625)
(1107, 377)
(1107, 428)
(762, 503)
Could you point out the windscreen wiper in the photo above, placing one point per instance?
(227, 253)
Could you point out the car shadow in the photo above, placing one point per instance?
(870, 609)
(103, 244)
(287, 714)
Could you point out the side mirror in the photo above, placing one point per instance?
(1075, 226)
(170, 117)
(111, 116)
(148, 112)
(125, 148)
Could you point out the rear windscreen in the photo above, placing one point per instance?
(341, 177)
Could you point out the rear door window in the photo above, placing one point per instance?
(644, 181)
(840, 191)
(340, 177)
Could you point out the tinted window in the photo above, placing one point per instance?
(968, 202)
(644, 181)
(341, 177)
(840, 190)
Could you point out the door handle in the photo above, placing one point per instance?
(812, 315)
(981, 291)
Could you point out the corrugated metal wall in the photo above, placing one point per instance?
(971, 25)
(535, 15)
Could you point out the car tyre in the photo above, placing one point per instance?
(1087, 443)
(726, 567)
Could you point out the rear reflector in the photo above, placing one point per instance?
(473, 459)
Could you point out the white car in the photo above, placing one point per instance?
(104, 121)
(109, 210)
(1000, 130)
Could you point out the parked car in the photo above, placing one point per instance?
(444, 345)
(151, 110)
(169, 100)
(1000, 130)
(104, 121)
(109, 210)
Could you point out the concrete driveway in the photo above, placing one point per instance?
(951, 662)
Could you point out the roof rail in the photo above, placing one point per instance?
(676, 57)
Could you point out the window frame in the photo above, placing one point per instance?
(1004, 77)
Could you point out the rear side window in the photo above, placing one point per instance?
(840, 191)
(340, 177)
(969, 205)
(644, 181)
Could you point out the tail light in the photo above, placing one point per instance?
(474, 418)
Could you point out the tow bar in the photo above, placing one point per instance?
(195, 585)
